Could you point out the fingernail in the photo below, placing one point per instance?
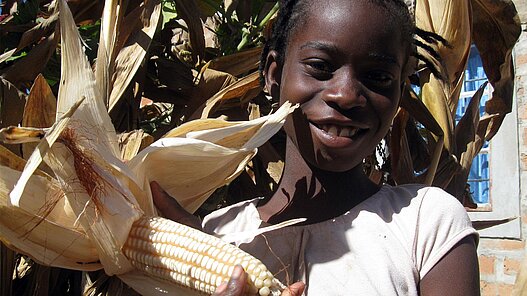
(237, 272)
(221, 288)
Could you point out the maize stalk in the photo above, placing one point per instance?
(181, 254)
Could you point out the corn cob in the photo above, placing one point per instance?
(177, 253)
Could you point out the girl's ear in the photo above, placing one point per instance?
(272, 73)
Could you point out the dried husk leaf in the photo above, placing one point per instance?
(190, 168)
(49, 236)
(40, 151)
(496, 28)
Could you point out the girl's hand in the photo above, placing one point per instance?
(171, 209)
(236, 285)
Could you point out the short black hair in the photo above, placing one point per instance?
(293, 13)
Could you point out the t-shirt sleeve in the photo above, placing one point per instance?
(441, 223)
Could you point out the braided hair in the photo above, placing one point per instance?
(293, 14)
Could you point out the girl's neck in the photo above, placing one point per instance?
(307, 192)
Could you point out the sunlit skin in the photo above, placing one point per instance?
(345, 66)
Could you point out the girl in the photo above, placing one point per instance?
(345, 62)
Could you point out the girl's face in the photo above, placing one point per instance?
(344, 67)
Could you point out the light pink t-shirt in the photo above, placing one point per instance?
(383, 246)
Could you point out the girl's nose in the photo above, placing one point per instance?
(346, 92)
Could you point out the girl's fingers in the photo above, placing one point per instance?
(235, 286)
(295, 289)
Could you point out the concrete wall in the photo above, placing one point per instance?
(500, 259)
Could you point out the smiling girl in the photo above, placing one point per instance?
(345, 63)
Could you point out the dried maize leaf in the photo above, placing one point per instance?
(110, 22)
(6, 55)
(238, 63)
(25, 70)
(39, 111)
(235, 90)
(12, 103)
(451, 20)
(190, 13)
(210, 82)
(131, 56)
(402, 164)
(470, 137)
(496, 29)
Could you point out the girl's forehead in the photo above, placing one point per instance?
(338, 16)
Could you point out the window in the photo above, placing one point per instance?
(494, 175)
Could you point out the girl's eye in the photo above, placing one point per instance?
(381, 79)
(319, 68)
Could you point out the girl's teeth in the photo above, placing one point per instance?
(333, 130)
(338, 131)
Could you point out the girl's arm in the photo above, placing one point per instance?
(457, 273)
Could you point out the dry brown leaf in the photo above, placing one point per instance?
(132, 54)
(238, 63)
(451, 19)
(191, 15)
(25, 70)
(131, 143)
(12, 103)
(467, 142)
(496, 29)
(401, 159)
(210, 83)
(237, 90)
(39, 112)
